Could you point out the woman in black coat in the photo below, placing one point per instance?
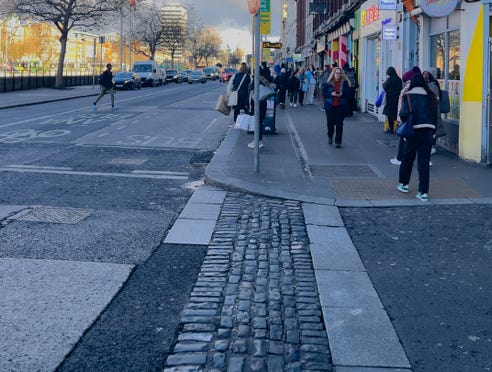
(243, 92)
(392, 86)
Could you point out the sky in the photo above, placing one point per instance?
(231, 18)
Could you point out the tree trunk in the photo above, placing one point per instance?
(59, 81)
(172, 59)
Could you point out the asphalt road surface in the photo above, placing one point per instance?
(431, 268)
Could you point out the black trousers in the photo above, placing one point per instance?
(334, 123)
(418, 146)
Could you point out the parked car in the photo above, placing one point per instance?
(227, 74)
(173, 75)
(184, 75)
(197, 76)
(150, 72)
(127, 80)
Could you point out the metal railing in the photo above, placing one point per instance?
(12, 80)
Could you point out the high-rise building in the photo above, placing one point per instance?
(175, 15)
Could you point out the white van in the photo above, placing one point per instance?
(150, 72)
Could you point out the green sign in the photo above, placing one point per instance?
(265, 17)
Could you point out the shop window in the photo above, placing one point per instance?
(445, 56)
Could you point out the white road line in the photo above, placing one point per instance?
(103, 134)
(210, 124)
(122, 127)
(159, 172)
(98, 174)
(27, 166)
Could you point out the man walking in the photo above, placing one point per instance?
(106, 83)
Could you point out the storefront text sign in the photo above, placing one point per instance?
(369, 15)
(387, 4)
(390, 32)
(438, 8)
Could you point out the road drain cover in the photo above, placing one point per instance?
(54, 215)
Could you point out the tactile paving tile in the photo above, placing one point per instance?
(342, 170)
(54, 215)
(365, 188)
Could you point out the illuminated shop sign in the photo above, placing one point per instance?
(369, 15)
(387, 4)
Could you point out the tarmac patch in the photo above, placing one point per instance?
(53, 215)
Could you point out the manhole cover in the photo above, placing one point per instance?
(54, 215)
(342, 170)
(128, 161)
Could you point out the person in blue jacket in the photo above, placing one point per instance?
(336, 95)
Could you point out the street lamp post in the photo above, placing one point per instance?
(254, 9)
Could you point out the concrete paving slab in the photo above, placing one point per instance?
(335, 236)
(47, 305)
(370, 369)
(191, 231)
(208, 195)
(201, 211)
(329, 257)
(8, 210)
(363, 338)
(346, 289)
(322, 215)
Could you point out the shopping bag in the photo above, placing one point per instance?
(245, 122)
(221, 105)
(232, 101)
(379, 100)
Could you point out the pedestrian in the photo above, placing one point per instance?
(428, 74)
(336, 104)
(281, 82)
(421, 102)
(294, 88)
(265, 94)
(301, 75)
(106, 86)
(240, 83)
(406, 85)
(351, 76)
(265, 72)
(324, 76)
(392, 86)
(310, 78)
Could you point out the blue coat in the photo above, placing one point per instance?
(328, 89)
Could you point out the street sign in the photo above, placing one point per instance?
(265, 17)
(269, 44)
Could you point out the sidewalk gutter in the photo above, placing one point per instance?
(23, 104)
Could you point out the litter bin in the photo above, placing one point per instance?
(269, 122)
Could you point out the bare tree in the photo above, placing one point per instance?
(65, 15)
(210, 44)
(146, 35)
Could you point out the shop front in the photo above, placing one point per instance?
(376, 54)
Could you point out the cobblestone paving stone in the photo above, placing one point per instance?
(255, 304)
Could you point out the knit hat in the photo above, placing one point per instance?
(409, 74)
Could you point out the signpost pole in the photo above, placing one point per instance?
(257, 92)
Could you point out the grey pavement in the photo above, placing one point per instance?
(276, 238)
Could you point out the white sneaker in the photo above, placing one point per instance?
(430, 163)
(114, 108)
(251, 145)
(94, 107)
(433, 150)
(295, 104)
(290, 104)
(395, 161)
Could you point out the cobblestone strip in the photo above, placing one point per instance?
(255, 305)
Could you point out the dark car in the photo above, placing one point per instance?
(127, 80)
(184, 75)
(209, 73)
(227, 74)
(197, 76)
(173, 75)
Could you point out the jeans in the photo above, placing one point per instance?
(419, 145)
(334, 120)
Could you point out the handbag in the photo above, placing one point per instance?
(266, 92)
(245, 122)
(379, 100)
(221, 105)
(234, 95)
(304, 87)
(405, 129)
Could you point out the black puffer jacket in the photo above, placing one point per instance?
(424, 113)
